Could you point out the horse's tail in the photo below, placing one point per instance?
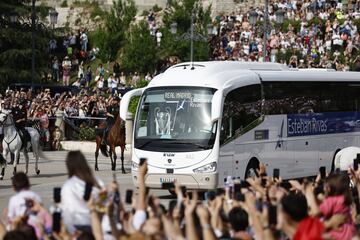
(41, 153)
(104, 150)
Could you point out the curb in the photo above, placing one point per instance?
(85, 146)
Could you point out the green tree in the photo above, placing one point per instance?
(111, 37)
(180, 12)
(15, 44)
(140, 51)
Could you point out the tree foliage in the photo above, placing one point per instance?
(111, 38)
(180, 12)
(15, 44)
(140, 50)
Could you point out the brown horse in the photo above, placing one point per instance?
(115, 137)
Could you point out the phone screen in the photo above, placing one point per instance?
(56, 227)
(167, 185)
(272, 215)
(57, 195)
(276, 173)
(128, 196)
(322, 171)
(141, 162)
(356, 164)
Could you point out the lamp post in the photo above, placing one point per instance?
(53, 14)
(33, 18)
(191, 35)
(266, 18)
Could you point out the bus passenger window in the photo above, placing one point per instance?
(241, 107)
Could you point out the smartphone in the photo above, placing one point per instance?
(356, 164)
(239, 196)
(244, 184)
(286, 185)
(142, 160)
(167, 185)
(88, 190)
(322, 171)
(57, 195)
(272, 215)
(276, 173)
(237, 188)
(56, 226)
(114, 177)
(183, 191)
(128, 196)
(29, 203)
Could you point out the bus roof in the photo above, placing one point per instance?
(307, 76)
(217, 74)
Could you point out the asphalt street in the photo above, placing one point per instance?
(53, 174)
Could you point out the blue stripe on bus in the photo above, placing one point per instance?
(322, 123)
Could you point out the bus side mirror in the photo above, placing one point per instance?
(216, 106)
(125, 100)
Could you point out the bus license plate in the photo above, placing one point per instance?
(167, 180)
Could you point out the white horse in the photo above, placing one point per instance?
(12, 143)
(345, 158)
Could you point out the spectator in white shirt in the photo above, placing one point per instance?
(75, 210)
(17, 203)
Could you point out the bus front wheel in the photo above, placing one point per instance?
(252, 168)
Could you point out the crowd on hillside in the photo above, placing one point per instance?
(260, 207)
(327, 36)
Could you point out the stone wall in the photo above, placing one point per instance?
(218, 6)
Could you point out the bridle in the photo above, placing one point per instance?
(3, 123)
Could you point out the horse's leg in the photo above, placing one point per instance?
(5, 153)
(16, 153)
(26, 155)
(35, 145)
(97, 154)
(111, 158)
(122, 159)
(114, 162)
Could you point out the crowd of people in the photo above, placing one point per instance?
(260, 207)
(327, 35)
(84, 108)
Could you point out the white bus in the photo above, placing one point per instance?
(197, 124)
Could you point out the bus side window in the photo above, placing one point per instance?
(241, 107)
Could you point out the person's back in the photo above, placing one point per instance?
(75, 210)
(17, 203)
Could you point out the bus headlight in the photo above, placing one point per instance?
(208, 168)
(134, 166)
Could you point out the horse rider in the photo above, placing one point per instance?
(20, 118)
(112, 113)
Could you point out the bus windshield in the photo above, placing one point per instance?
(175, 119)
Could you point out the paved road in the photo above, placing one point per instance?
(53, 174)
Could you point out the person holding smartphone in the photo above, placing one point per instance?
(76, 191)
(17, 204)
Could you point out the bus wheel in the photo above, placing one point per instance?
(252, 168)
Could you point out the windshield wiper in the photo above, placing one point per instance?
(150, 141)
(190, 143)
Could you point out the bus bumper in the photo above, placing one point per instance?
(191, 181)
